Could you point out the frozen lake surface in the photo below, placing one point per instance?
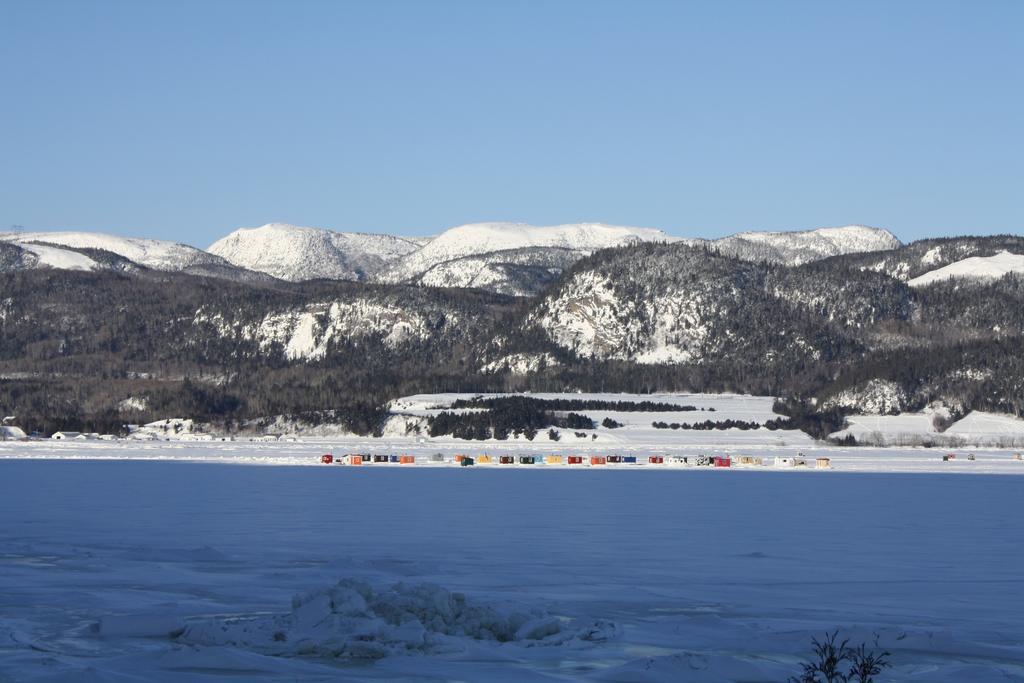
(667, 575)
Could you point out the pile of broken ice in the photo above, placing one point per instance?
(353, 620)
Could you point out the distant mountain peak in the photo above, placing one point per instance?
(801, 246)
(478, 239)
(296, 253)
(152, 253)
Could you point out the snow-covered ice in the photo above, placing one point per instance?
(353, 620)
(175, 571)
(189, 447)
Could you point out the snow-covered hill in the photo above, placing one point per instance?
(15, 256)
(371, 319)
(156, 254)
(296, 253)
(975, 268)
(477, 239)
(515, 272)
(918, 258)
(797, 247)
(683, 304)
(24, 256)
(624, 311)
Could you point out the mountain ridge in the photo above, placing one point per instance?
(502, 257)
(643, 317)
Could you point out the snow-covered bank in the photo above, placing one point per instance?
(974, 430)
(678, 422)
(124, 571)
(309, 452)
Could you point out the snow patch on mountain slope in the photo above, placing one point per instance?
(133, 403)
(483, 238)
(157, 254)
(521, 363)
(932, 256)
(55, 257)
(589, 318)
(874, 397)
(583, 318)
(176, 428)
(898, 271)
(297, 253)
(975, 267)
(308, 332)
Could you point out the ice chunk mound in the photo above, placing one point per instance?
(354, 620)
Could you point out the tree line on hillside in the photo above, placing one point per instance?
(709, 424)
(513, 417)
(563, 404)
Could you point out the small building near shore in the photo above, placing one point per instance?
(66, 436)
(12, 433)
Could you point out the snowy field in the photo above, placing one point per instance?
(736, 406)
(175, 571)
(974, 428)
(637, 431)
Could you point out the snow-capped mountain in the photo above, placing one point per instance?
(797, 247)
(156, 254)
(454, 257)
(296, 253)
(506, 258)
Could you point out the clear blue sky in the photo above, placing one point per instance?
(184, 120)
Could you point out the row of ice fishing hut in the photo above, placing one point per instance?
(572, 460)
